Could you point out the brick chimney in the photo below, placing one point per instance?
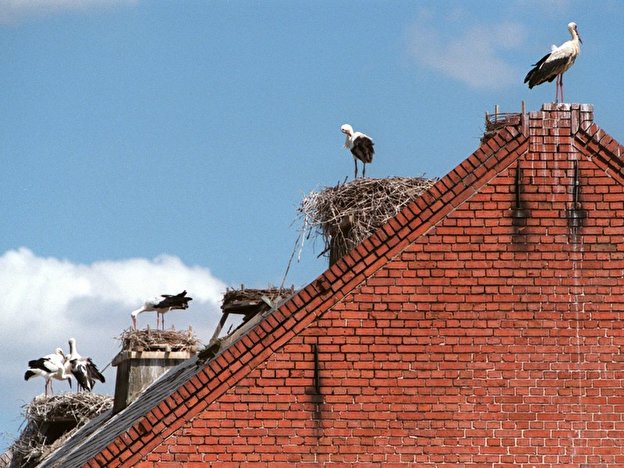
(140, 365)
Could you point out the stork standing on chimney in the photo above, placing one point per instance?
(556, 63)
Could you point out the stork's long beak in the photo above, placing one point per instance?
(580, 40)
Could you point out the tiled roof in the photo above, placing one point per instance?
(188, 389)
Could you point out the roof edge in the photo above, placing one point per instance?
(596, 144)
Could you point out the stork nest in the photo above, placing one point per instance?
(51, 420)
(494, 122)
(243, 294)
(77, 407)
(345, 215)
(158, 340)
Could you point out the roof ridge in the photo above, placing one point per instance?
(595, 141)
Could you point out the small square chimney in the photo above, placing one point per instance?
(145, 356)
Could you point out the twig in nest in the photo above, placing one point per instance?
(157, 340)
(245, 294)
(71, 410)
(75, 406)
(345, 215)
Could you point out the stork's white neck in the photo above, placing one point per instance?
(349, 141)
(576, 38)
(72, 348)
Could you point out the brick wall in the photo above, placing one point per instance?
(489, 341)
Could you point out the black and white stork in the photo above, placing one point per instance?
(361, 147)
(161, 307)
(83, 369)
(51, 366)
(556, 63)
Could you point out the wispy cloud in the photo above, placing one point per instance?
(45, 301)
(471, 53)
(14, 11)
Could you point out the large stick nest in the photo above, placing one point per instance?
(244, 294)
(67, 406)
(158, 340)
(345, 215)
(50, 420)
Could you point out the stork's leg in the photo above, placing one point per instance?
(355, 163)
(363, 170)
(559, 88)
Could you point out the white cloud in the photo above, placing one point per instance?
(45, 301)
(12, 11)
(472, 54)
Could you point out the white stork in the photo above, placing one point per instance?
(51, 366)
(556, 63)
(83, 368)
(360, 145)
(161, 307)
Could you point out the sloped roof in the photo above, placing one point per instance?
(188, 389)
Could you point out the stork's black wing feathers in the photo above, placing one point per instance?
(41, 363)
(177, 301)
(37, 364)
(79, 371)
(182, 294)
(363, 149)
(93, 372)
(535, 68)
(546, 70)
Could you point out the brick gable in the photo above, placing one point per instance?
(455, 334)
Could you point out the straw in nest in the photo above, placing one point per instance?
(243, 294)
(345, 215)
(158, 340)
(72, 409)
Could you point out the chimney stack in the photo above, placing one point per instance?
(145, 356)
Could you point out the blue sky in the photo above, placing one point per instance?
(148, 147)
